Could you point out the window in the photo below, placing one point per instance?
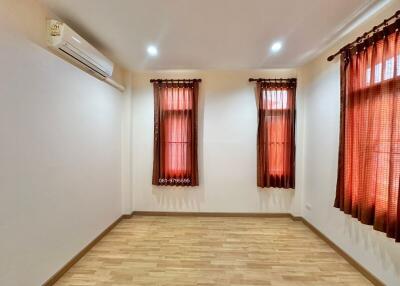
(389, 70)
(276, 99)
(176, 140)
(276, 127)
(278, 114)
(175, 133)
(369, 156)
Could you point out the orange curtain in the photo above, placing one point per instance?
(175, 134)
(369, 153)
(276, 134)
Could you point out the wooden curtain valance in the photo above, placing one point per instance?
(276, 82)
(387, 27)
(175, 80)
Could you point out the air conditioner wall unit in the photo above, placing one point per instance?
(67, 41)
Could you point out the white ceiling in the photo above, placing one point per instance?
(209, 34)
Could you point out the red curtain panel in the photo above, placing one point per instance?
(276, 102)
(369, 153)
(175, 133)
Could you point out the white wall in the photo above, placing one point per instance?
(380, 255)
(60, 152)
(226, 147)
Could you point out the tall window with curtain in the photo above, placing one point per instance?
(276, 100)
(369, 153)
(175, 132)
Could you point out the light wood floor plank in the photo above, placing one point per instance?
(151, 250)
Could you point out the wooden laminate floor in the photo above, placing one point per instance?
(150, 250)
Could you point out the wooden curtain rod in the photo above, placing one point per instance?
(277, 80)
(176, 80)
(366, 35)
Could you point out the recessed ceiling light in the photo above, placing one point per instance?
(276, 47)
(152, 50)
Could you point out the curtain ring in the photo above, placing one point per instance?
(385, 28)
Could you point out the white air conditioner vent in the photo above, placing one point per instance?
(67, 41)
